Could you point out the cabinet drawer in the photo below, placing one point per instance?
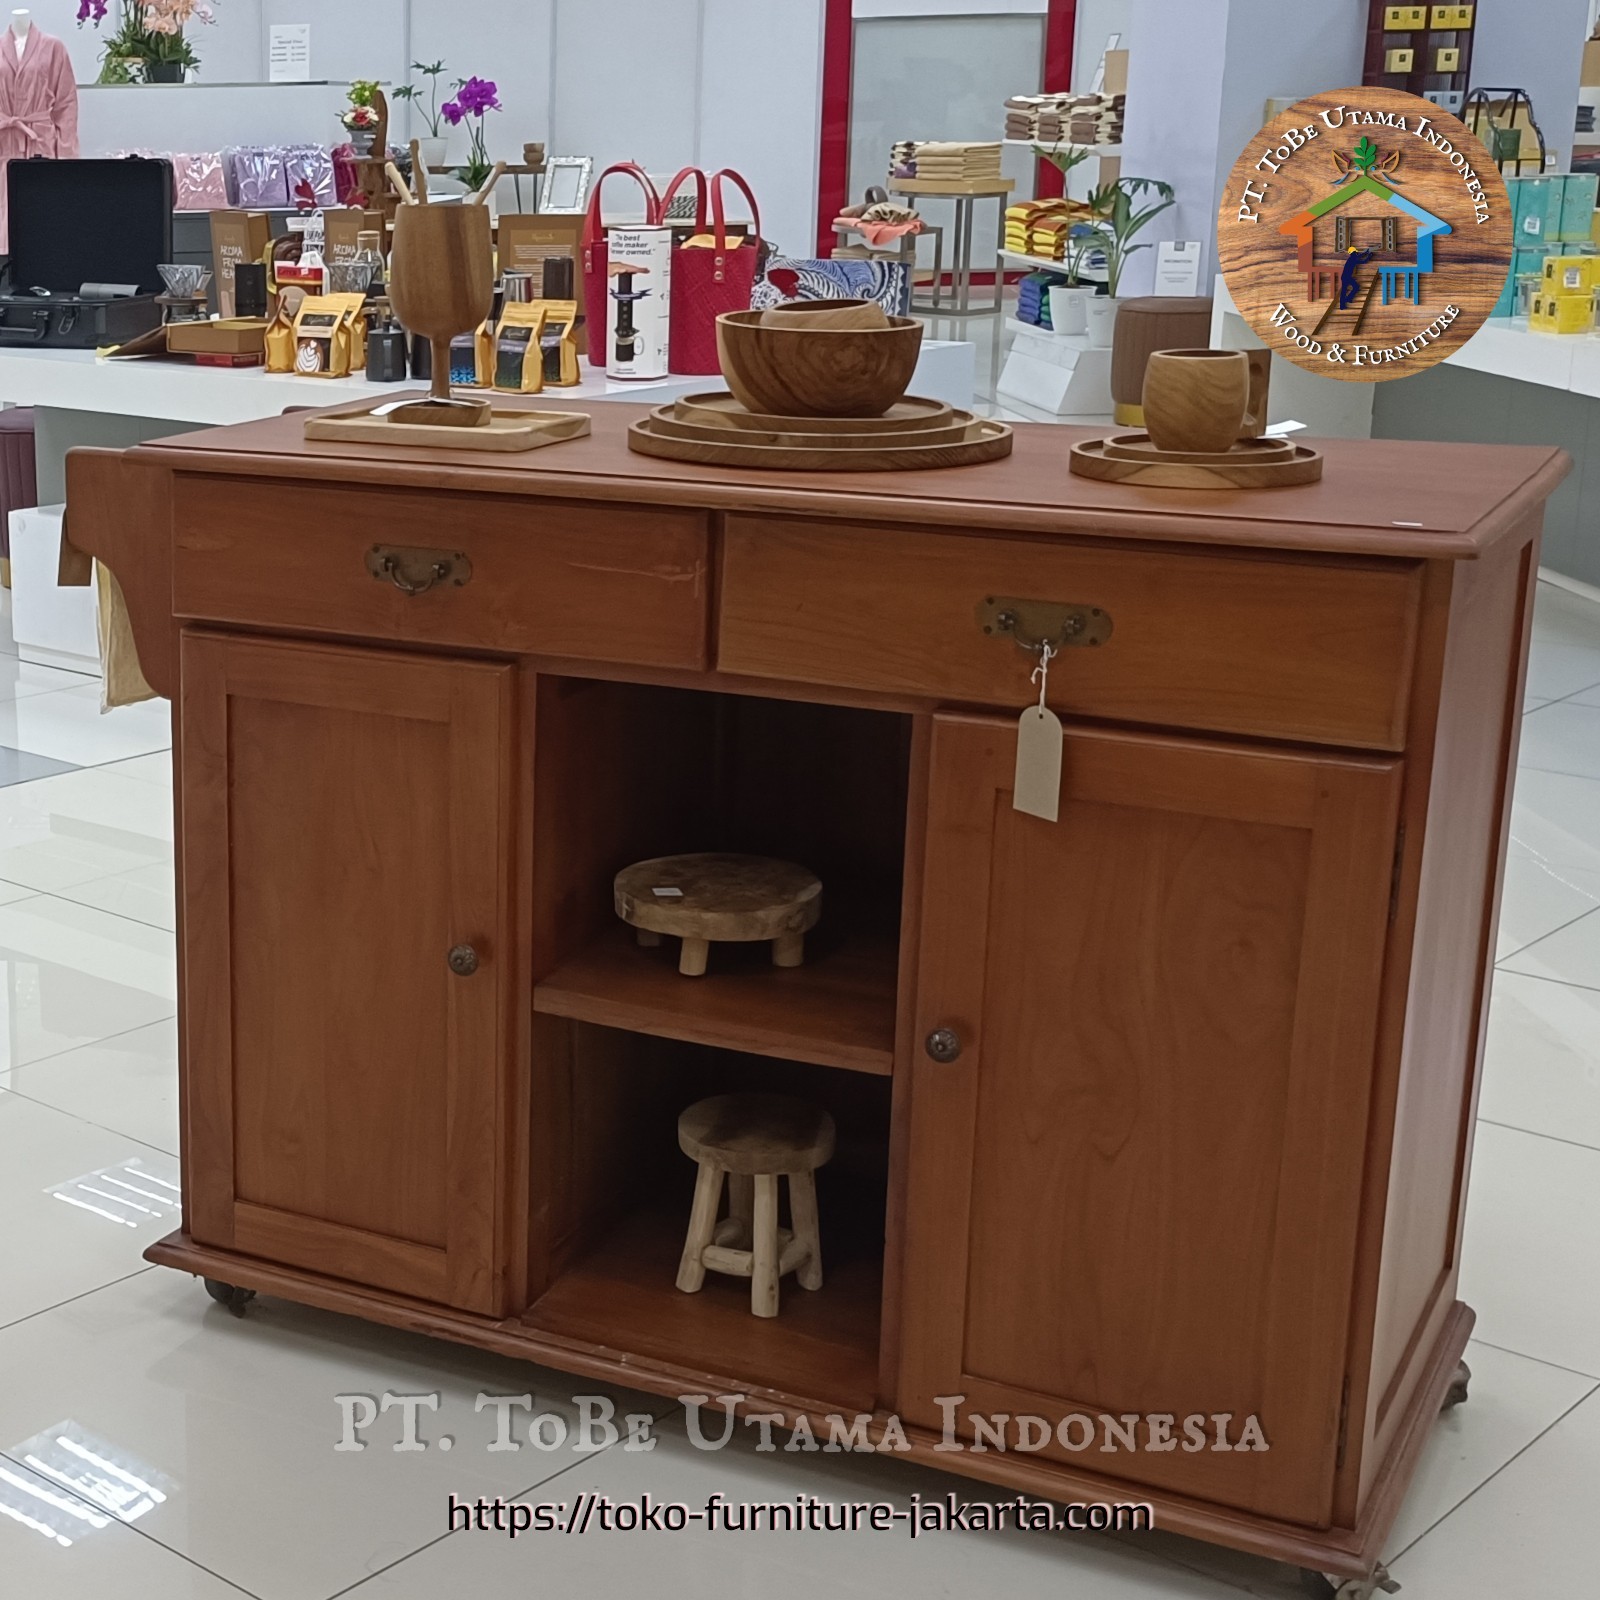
(621, 584)
(1298, 648)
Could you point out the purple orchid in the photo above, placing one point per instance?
(478, 95)
(92, 11)
(452, 113)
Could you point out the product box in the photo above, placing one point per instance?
(1579, 193)
(1590, 75)
(1566, 274)
(1538, 203)
(638, 302)
(236, 236)
(343, 228)
(1561, 313)
(528, 240)
(227, 336)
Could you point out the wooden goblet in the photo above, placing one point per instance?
(441, 282)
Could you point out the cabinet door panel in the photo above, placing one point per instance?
(1136, 1190)
(346, 811)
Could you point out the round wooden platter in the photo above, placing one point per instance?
(1141, 447)
(719, 409)
(724, 899)
(665, 421)
(1240, 468)
(983, 440)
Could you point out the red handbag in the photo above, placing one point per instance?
(596, 256)
(709, 280)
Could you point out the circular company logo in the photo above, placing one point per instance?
(1365, 234)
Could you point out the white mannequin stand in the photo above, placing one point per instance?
(21, 22)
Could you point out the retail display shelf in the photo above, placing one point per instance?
(1017, 259)
(1040, 144)
(835, 1011)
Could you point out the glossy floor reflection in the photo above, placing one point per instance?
(124, 1390)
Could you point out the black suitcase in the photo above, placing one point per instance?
(85, 223)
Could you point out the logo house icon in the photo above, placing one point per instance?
(1364, 220)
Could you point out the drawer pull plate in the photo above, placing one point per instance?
(1037, 623)
(413, 571)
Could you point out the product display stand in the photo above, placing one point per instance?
(1061, 373)
(965, 199)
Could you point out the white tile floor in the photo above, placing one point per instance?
(232, 1424)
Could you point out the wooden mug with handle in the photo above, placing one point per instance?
(1204, 401)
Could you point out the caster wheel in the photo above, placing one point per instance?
(1456, 1394)
(1325, 1588)
(227, 1294)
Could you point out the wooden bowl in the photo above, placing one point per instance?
(817, 372)
(826, 314)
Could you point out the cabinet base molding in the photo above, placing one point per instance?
(1339, 1552)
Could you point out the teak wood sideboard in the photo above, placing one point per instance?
(1200, 1143)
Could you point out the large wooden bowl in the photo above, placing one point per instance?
(817, 372)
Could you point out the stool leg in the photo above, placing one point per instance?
(789, 950)
(692, 960)
(764, 1247)
(647, 939)
(803, 1211)
(702, 1224)
(742, 1206)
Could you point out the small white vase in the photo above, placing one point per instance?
(433, 151)
(1068, 313)
(1101, 313)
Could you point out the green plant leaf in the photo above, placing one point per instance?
(1365, 153)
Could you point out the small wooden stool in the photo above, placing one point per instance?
(753, 1140)
(706, 899)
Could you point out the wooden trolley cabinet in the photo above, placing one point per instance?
(1161, 1109)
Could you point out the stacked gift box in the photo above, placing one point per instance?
(1065, 118)
(1553, 214)
(953, 161)
(1564, 302)
(1033, 297)
(1040, 227)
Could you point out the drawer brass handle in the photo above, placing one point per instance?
(463, 960)
(414, 571)
(1037, 623)
(943, 1045)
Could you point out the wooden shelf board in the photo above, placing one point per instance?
(823, 1344)
(838, 1010)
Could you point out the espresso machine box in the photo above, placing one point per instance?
(638, 301)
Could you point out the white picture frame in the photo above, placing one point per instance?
(564, 188)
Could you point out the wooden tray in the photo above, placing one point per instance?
(984, 441)
(504, 431)
(1141, 447)
(1302, 465)
(720, 409)
(665, 421)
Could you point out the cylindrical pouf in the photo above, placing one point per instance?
(1151, 323)
(19, 483)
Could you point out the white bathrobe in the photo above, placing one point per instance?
(38, 107)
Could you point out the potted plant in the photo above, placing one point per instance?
(474, 98)
(1069, 301)
(1121, 217)
(360, 118)
(436, 144)
(149, 44)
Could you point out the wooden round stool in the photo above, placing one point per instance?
(707, 899)
(753, 1140)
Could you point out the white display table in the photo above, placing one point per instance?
(81, 399)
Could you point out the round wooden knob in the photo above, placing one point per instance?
(943, 1045)
(463, 960)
